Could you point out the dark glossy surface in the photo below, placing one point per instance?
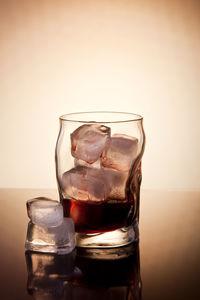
(169, 255)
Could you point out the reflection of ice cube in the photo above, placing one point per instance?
(45, 212)
(45, 288)
(50, 264)
(84, 183)
(121, 152)
(89, 141)
(59, 239)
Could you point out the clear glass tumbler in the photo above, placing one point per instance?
(98, 169)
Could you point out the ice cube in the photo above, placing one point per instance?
(80, 162)
(45, 212)
(121, 152)
(89, 141)
(83, 183)
(59, 239)
(117, 181)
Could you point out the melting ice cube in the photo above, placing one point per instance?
(89, 141)
(117, 182)
(45, 212)
(83, 183)
(80, 162)
(121, 152)
(59, 239)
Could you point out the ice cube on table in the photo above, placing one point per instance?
(89, 141)
(59, 239)
(121, 152)
(45, 212)
(83, 183)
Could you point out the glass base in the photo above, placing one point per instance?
(116, 238)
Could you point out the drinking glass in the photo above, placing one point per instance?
(98, 169)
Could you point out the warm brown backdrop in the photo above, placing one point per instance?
(62, 56)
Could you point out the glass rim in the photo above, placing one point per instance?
(71, 117)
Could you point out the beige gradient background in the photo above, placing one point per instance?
(58, 57)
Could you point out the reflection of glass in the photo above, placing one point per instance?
(95, 276)
(108, 278)
(98, 168)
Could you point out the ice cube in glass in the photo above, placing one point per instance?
(121, 153)
(83, 183)
(89, 141)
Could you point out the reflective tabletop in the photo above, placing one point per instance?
(163, 265)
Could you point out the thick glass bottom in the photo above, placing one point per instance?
(116, 238)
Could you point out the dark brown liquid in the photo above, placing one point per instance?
(93, 217)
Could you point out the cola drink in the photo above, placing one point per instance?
(92, 217)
